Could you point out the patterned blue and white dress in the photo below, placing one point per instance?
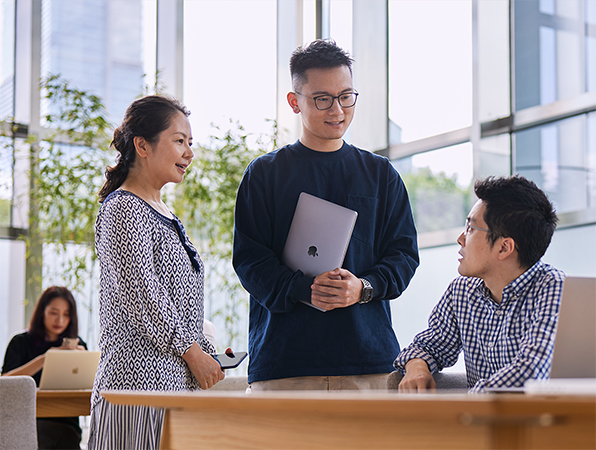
(150, 313)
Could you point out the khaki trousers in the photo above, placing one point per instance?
(351, 382)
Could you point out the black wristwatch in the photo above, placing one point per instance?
(367, 291)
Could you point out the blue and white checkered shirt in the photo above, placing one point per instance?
(504, 343)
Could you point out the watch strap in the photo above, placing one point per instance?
(367, 291)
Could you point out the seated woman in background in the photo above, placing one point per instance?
(53, 320)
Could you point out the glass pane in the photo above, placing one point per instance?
(229, 75)
(551, 61)
(98, 47)
(430, 66)
(7, 58)
(493, 60)
(591, 44)
(340, 13)
(591, 159)
(309, 22)
(494, 156)
(6, 164)
(229, 61)
(439, 184)
(560, 158)
(7, 13)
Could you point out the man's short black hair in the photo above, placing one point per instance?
(319, 54)
(517, 208)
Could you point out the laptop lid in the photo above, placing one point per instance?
(68, 369)
(575, 342)
(319, 235)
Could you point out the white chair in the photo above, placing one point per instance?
(18, 428)
(210, 332)
(232, 383)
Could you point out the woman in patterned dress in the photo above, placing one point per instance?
(151, 279)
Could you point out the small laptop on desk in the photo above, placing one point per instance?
(68, 370)
(319, 236)
(573, 369)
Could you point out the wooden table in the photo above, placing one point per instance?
(63, 403)
(341, 420)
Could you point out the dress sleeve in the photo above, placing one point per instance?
(440, 344)
(533, 359)
(125, 248)
(259, 269)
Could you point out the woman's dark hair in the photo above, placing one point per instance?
(37, 328)
(517, 208)
(146, 117)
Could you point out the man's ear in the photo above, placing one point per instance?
(141, 146)
(293, 102)
(507, 248)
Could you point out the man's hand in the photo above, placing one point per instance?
(338, 288)
(417, 378)
(204, 367)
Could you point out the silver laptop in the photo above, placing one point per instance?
(573, 368)
(68, 370)
(319, 236)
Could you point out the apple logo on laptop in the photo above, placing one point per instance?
(312, 251)
(75, 370)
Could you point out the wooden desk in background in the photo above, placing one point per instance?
(63, 403)
(341, 420)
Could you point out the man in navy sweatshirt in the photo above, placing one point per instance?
(352, 345)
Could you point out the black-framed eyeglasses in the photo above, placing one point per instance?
(323, 102)
(469, 227)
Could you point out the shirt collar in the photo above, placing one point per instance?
(517, 288)
(521, 284)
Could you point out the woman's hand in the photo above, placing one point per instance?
(204, 367)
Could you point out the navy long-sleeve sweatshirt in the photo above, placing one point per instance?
(288, 338)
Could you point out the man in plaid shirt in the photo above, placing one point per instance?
(502, 312)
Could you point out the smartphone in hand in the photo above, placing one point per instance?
(70, 343)
(230, 360)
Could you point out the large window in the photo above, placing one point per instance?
(229, 65)
(439, 185)
(560, 158)
(430, 93)
(430, 66)
(555, 69)
(97, 47)
(554, 50)
(6, 160)
(7, 14)
(7, 40)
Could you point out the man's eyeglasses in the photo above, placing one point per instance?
(323, 102)
(469, 227)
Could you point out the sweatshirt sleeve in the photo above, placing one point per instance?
(397, 247)
(259, 269)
